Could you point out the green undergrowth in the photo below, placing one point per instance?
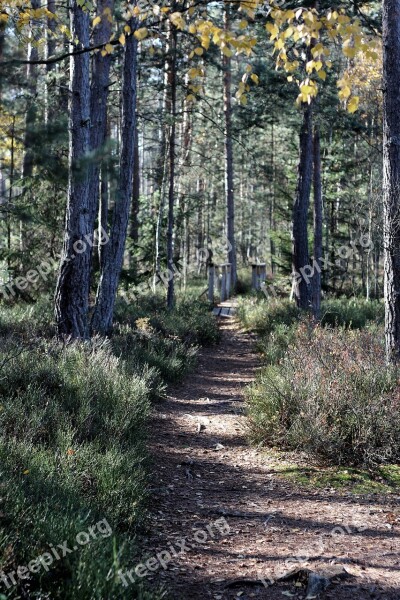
(73, 425)
(383, 480)
(325, 390)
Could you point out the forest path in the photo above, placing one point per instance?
(204, 470)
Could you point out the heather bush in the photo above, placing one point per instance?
(332, 395)
(73, 421)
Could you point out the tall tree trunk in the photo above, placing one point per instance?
(301, 259)
(134, 218)
(316, 280)
(160, 176)
(229, 189)
(72, 290)
(391, 174)
(31, 77)
(30, 119)
(272, 224)
(50, 51)
(114, 250)
(171, 54)
(184, 163)
(98, 102)
(10, 197)
(103, 216)
(50, 37)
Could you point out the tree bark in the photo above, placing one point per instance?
(114, 250)
(318, 217)
(301, 258)
(391, 175)
(49, 112)
(134, 218)
(229, 187)
(30, 120)
(72, 290)
(31, 77)
(171, 54)
(98, 102)
(160, 177)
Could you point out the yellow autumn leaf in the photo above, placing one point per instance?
(344, 93)
(349, 51)
(177, 20)
(108, 49)
(353, 104)
(255, 78)
(288, 33)
(272, 29)
(96, 21)
(121, 39)
(141, 34)
(227, 51)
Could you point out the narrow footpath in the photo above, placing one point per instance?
(228, 526)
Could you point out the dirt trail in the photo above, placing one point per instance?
(205, 471)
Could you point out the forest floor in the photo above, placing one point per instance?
(206, 475)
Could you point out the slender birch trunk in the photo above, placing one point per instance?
(229, 187)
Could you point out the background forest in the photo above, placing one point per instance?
(142, 144)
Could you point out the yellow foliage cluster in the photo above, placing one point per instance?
(300, 39)
(304, 27)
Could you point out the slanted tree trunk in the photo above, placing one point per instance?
(301, 258)
(114, 250)
(316, 277)
(391, 174)
(229, 189)
(72, 290)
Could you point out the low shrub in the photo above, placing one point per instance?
(73, 420)
(72, 430)
(262, 315)
(330, 395)
(354, 313)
